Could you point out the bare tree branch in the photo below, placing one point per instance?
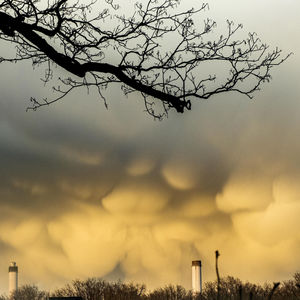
(157, 51)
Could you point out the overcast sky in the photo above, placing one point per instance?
(86, 191)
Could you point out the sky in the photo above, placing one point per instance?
(87, 191)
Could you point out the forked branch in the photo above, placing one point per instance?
(158, 51)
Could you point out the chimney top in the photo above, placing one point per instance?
(196, 263)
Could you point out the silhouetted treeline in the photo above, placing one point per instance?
(230, 289)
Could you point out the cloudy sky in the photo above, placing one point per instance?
(86, 191)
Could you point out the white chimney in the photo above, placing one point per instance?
(12, 277)
(196, 277)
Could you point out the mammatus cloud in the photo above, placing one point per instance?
(140, 166)
(141, 226)
(245, 192)
(181, 174)
(73, 209)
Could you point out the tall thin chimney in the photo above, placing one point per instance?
(12, 277)
(196, 277)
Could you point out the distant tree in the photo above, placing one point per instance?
(288, 290)
(297, 278)
(90, 289)
(230, 288)
(98, 289)
(158, 51)
(171, 292)
(29, 292)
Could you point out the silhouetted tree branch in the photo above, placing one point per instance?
(157, 51)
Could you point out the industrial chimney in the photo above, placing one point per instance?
(196, 277)
(12, 277)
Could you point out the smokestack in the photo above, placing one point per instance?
(196, 277)
(12, 277)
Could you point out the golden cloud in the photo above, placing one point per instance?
(136, 198)
(181, 174)
(245, 192)
(140, 166)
